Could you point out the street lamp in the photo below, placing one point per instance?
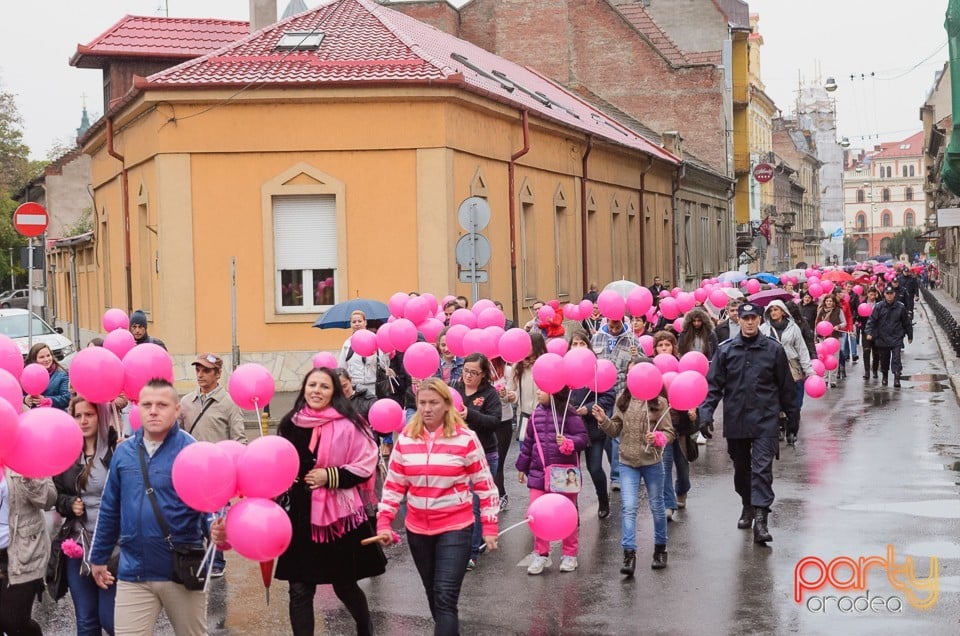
(845, 143)
(831, 85)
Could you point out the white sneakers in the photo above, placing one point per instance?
(538, 564)
(568, 564)
(701, 440)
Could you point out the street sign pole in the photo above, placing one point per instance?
(30, 295)
(475, 286)
(30, 220)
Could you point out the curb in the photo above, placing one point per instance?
(953, 373)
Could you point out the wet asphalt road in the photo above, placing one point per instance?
(874, 466)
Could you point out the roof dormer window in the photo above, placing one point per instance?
(300, 41)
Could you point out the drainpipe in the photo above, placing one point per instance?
(678, 176)
(642, 212)
(124, 189)
(511, 179)
(583, 215)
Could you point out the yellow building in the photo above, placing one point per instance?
(326, 155)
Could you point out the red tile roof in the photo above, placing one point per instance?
(158, 37)
(912, 146)
(369, 44)
(636, 15)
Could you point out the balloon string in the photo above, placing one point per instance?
(208, 556)
(516, 525)
(566, 409)
(256, 405)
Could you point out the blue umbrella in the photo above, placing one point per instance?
(338, 316)
(767, 278)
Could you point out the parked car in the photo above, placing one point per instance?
(13, 324)
(18, 298)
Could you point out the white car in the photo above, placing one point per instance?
(13, 324)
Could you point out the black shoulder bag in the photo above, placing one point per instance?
(202, 411)
(187, 559)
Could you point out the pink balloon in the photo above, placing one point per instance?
(548, 373)
(558, 346)
(612, 305)
(251, 386)
(416, 310)
(645, 381)
(204, 477)
(669, 309)
(700, 295)
(463, 317)
(668, 379)
(481, 305)
(827, 286)
(48, 442)
(383, 338)
(324, 359)
(421, 360)
(403, 333)
(96, 374)
(432, 303)
(363, 342)
(694, 361)
(135, 421)
(491, 341)
(815, 289)
(259, 529)
(646, 343)
(231, 448)
(831, 345)
(515, 345)
(678, 325)
(605, 377)
(686, 302)
(824, 328)
(457, 400)
(474, 341)
(398, 303)
(639, 301)
(386, 416)
(858, 290)
(718, 298)
(830, 362)
(819, 348)
(666, 362)
(10, 390)
(687, 391)
(552, 517)
(119, 342)
(818, 366)
(753, 286)
(9, 425)
(454, 338)
(815, 386)
(34, 379)
(492, 317)
(586, 308)
(143, 363)
(545, 314)
(813, 280)
(114, 319)
(579, 367)
(267, 467)
(431, 328)
(864, 309)
(572, 312)
(10, 357)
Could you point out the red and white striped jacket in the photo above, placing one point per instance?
(436, 480)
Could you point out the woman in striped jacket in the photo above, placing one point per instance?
(435, 461)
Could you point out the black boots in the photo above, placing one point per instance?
(659, 557)
(760, 532)
(603, 509)
(884, 380)
(746, 518)
(629, 562)
(791, 439)
(896, 380)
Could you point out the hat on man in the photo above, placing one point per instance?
(138, 318)
(749, 309)
(209, 360)
(889, 290)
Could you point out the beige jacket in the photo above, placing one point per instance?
(29, 548)
(222, 420)
(632, 427)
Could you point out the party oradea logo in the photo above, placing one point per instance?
(814, 578)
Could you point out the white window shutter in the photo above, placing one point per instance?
(305, 232)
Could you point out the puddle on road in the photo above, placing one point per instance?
(939, 549)
(926, 377)
(936, 508)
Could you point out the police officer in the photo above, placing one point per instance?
(750, 373)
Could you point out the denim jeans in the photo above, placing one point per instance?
(848, 343)
(493, 461)
(594, 461)
(93, 607)
(630, 477)
(612, 446)
(672, 455)
(441, 560)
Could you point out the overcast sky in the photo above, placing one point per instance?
(889, 39)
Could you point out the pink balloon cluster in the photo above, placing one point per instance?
(685, 380)
(41, 442)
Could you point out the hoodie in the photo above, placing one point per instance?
(791, 339)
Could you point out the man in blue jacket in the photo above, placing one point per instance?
(889, 322)
(127, 517)
(751, 374)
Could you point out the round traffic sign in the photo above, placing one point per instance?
(474, 214)
(30, 219)
(473, 250)
(763, 172)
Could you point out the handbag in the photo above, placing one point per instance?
(188, 560)
(384, 386)
(691, 447)
(562, 478)
(56, 574)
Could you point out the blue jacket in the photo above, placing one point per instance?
(59, 389)
(127, 517)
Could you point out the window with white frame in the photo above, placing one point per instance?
(305, 252)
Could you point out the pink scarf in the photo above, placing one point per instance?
(339, 444)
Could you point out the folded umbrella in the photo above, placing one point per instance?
(338, 316)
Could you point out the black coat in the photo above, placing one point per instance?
(68, 491)
(753, 379)
(588, 398)
(888, 324)
(484, 414)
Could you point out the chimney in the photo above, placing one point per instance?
(672, 142)
(263, 13)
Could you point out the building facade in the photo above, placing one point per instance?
(797, 147)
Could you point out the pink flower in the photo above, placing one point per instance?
(659, 439)
(72, 549)
(567, 446)
(478, 401)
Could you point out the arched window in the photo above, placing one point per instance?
(861, 248)
(908, 194)
(905, 171)
(909, 218)
(889, 172)
(885, 195)
(912, 173)
(886, 220)
(860, 196)
(861, 221)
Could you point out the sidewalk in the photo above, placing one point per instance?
(950, 359)
(280, 405)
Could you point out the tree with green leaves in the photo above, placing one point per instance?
(16, 169)
(906, 241)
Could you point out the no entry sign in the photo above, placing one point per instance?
(30, 219)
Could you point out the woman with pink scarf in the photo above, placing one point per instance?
(328, 503)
